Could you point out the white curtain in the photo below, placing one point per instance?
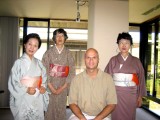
(9, 41)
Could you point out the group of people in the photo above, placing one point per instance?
(39, 89)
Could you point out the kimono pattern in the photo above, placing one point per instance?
(127, 96)
(57, 103)
(23, 105)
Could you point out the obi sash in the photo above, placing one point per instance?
(56, 70)
(32, 81)
(122, 79)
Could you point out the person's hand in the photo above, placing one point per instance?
(97, 118)
(42, 90)
(139, 102)
(31, 90)
(53, 91)
(59, 90)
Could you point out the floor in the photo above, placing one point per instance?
(5, 114)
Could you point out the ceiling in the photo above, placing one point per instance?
(139, 10)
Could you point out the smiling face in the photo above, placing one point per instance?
(31, 47)
(91, 59)
(124, 46)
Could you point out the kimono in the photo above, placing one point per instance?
(60, 70)
(27, 73)
(129, 79)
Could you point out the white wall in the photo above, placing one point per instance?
(107, 18)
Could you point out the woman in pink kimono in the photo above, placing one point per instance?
(27, 83)
(128, 76)
(60, 67)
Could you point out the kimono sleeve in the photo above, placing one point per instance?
(141, 77)
(45, 61)
(109, 67)
(111, 96)
(71, 63)
(14, 85)
(44, 84)
(44, 74)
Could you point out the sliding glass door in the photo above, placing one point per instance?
(150, 42)
(157, 63)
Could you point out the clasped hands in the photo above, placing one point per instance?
(57, 91)
(32, 90)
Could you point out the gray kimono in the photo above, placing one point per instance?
(57, 103)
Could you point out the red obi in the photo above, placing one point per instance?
(135, 79)
(56, 70)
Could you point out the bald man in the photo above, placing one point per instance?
(92, 93)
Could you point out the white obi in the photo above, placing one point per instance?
(122, 79)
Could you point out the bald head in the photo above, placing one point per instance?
(92, 50)
(91, 59)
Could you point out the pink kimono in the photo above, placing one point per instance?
(129, 79)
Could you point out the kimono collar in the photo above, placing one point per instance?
(125, 58)
(27, 60)
(59, 51)
(26, 57)
(121, 60)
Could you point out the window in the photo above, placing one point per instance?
(134, 31)
(150, 33)
(76, 42)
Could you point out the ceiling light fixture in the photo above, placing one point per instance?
(80, 3)
(78, 13)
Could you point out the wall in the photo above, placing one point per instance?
(8, 53)
(107, 18)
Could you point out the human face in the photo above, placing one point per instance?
(91, 59)
(60, 39)
(31, 47)
(124, 46)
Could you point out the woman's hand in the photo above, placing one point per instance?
(42, 90)
(31, 90)
(59, 90)
(139, 102)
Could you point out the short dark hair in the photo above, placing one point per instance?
(32, 35)
(124, 35)
(60, 30)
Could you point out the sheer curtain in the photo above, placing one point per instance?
(9, 39)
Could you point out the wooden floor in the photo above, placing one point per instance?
(5, 114)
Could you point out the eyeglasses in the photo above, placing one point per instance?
(58, 36)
